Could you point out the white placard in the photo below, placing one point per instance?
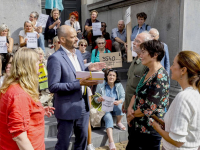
(96, 27)
(42, 20)
(107, 105)
(3, 46)
(134, 54)
(32, 40)
(127, 16)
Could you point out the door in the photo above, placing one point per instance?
(69, 6)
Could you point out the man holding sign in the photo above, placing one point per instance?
(112, 99)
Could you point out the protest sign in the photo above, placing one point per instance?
(32, 40)
(96, 27)
(43, 77)
(127, 18)
(107, 105)
(42, 20)
(3, 46)
(114, 60)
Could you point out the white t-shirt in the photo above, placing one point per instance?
(182, 120)
(22, 33)
(89, 92)
(76, 24)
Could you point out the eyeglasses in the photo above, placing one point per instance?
(84, 45)
(137, 41)
(101, 43)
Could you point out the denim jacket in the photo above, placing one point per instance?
(119, 88)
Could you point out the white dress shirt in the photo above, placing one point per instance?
(74, 60)
(182, 120)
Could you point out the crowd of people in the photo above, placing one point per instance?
(145, 100)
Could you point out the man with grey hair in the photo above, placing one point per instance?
(135, 73)
(118, 37)
(165, 61)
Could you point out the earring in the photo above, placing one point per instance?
(181, 77)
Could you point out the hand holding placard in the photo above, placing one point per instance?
(42, 20)
(32, 40)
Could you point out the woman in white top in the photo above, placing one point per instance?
(28, 28)
(182, 120)
(33, 17)
(73, 21)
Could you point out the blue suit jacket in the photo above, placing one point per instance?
(62, 81)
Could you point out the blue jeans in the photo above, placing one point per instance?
(41, 42)
(108, 119)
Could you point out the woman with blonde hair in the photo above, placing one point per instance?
(4, 31)
(182, 120)
(28, 28)
(53, 23)
(21, 113)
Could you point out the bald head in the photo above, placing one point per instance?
(154, 33)
(64, 30)
(67, 37)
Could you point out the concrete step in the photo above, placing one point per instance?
(99, 138)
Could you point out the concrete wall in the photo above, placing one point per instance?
(191, 25)
(15, 12)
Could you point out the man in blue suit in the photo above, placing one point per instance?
(71, 101)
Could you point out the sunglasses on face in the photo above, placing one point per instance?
(103, 25)
(84, 45)
(101, 43)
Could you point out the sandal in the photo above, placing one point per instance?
(112, 146)
(121, 126)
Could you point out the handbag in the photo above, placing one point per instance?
(96, 113)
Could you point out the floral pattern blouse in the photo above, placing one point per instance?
(152, 96)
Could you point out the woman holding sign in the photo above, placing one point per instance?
(5, 34)
(101, 42)
(28, 28)
(112, 88)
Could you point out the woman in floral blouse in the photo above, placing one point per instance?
(151, 97)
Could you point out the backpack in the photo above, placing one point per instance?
(96, 51)
(145, 27)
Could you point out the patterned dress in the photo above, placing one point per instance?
(152, 96)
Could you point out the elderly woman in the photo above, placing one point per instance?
(82, 47)
(33, 17)
(73, 21)
(101, 42)
(4, 31)
(21, 113)
(28, 28)
(88, 27)
(56, 43)
(53, 23)
(151, 97)
(182, 125)
(141, 18)
(112, 88)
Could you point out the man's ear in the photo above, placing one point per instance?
(62, 40)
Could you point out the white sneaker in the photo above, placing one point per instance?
(90, 147)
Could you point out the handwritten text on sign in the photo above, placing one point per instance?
(42, 20)
(113, 60)
(3, 46)
(32, 40)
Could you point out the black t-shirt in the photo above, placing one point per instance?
(89, 22)
(106, 36)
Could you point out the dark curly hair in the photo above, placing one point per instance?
(154, 47)
(107, 73)
(142, 15)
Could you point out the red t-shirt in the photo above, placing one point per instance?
(19, 113)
